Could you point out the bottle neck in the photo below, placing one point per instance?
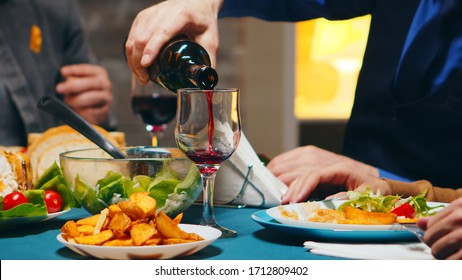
(203, 77)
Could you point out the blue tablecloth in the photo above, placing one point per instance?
(38, 241)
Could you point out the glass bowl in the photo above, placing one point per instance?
(97, 180)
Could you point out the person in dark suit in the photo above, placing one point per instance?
(407, 115)
(43, 51)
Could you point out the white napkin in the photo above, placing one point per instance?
(400, 251)
(261, 189)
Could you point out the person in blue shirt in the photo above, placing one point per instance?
(44, 51)
(407, 114)
(443, 231)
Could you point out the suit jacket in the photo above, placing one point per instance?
(417, 139)
(27, 75)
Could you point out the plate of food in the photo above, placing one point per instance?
(23, 201)
(170, 251)
(15, 221)
(363, 217)
(133, 229)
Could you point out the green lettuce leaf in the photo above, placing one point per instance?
(86, 195)
(52, 179)
(35, 207)
(368, 201)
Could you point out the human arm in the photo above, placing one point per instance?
(432, 193)
(87, 89)
(390, 175)
(337, 176)
(296, 10)
(304, 160)
(443, 231)
(330, 179)
(156, 25)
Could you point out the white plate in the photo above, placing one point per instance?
(272, 219)
(27, 220)
(275, 213)
(148, 252)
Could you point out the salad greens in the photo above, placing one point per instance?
(166, 187)
(421, 208)
(173, 194)
(368, 201)
(52, 179)
(35, 207)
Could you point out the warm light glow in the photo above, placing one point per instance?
(328, 59)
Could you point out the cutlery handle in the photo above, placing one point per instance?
(58, 109)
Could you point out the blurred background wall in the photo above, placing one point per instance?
(257, 57)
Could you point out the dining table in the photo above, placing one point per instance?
(38, 241)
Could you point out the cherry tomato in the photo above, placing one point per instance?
(53, 201)
(405, 210)
(13, 199)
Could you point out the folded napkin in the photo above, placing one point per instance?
(398, 251)
(243, 179)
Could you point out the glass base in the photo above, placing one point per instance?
(225, 232)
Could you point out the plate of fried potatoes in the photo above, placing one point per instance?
(133, 229)
(316, 220)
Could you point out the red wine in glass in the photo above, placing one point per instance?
(156, 111)
(208, 132)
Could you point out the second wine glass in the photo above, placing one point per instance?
(154, 106)
(208, 131)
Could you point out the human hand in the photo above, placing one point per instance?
(330, 178)
(302, 161)
(156, 25)
(443, 232)
(87, 89)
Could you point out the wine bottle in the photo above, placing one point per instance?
(183, 63)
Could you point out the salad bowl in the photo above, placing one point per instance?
(97, 180)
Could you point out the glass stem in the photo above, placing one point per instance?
(208, 181)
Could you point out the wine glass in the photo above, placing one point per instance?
(208, 131)
(155, 106)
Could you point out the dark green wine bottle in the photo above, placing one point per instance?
(183, 63)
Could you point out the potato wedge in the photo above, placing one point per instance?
(119, 224)
(168, 228)
(113, 209)
(178, 218)
(86, 229)
(357, 216)
(69, 229)
(132, 210)
(91, 221)
(145, 202)
(170, 241)
(119, 242)
(96, 239)
(153, 242)
(140, 233)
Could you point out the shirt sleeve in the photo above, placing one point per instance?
(296, 10)
(389, 175)
(432, 193)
